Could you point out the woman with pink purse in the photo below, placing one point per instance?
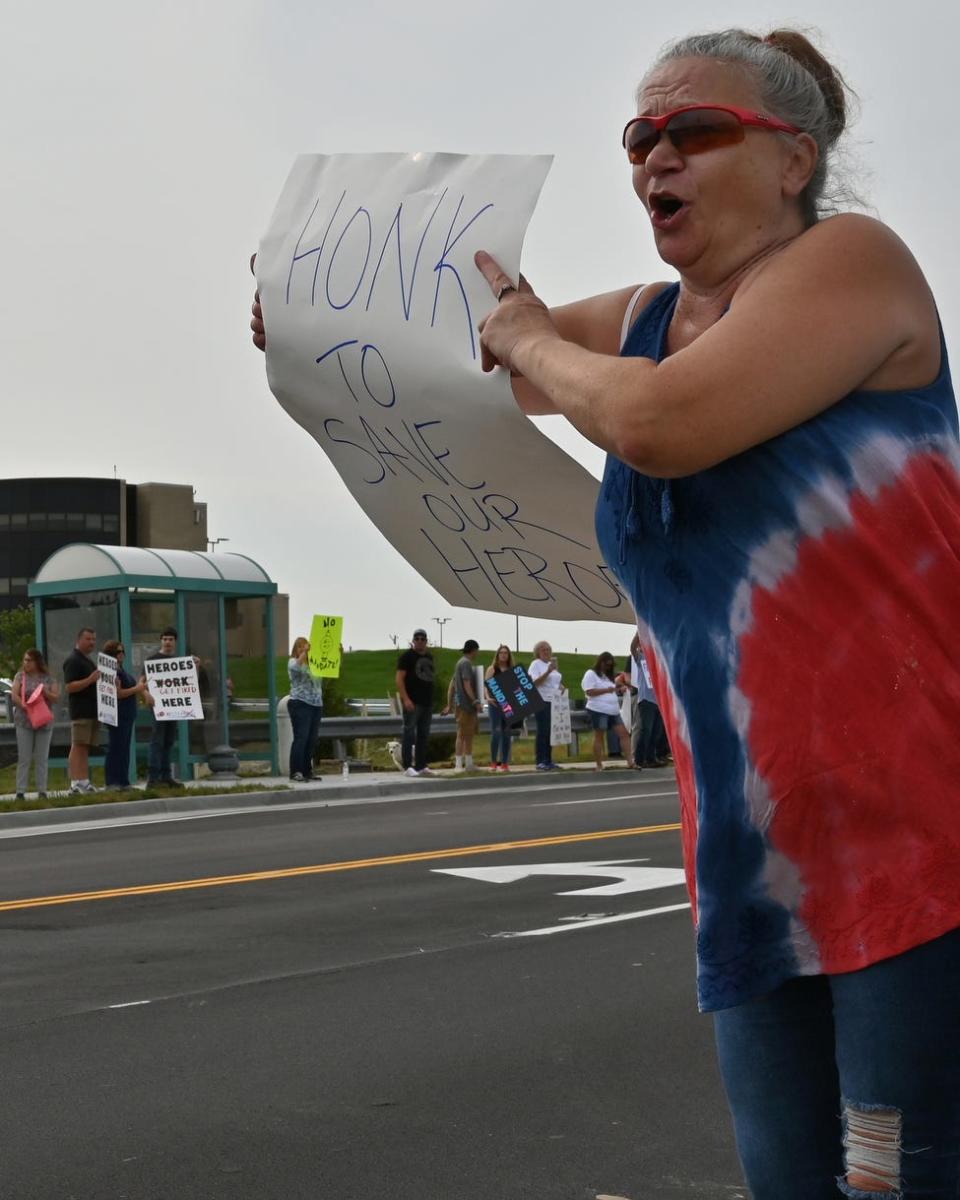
(34, 691)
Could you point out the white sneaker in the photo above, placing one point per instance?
(426, 771)
(411, 772)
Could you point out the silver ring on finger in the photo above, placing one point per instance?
(502, 291)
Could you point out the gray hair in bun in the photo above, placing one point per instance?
(795, 83)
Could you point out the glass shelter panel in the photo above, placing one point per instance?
(64, 617)
(203, 642)
(248, 661)
(149, 616)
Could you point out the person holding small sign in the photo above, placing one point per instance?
(159, 770)
(34, 729)
(545, 674)
(603, 704)
(305, 708)
(116, 767)
(501, 734)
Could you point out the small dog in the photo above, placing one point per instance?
(394, 749)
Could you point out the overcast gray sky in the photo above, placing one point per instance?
(145, 146)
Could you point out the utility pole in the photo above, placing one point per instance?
(441, 621)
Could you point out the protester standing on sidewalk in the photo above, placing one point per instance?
(80, 677)
(116, 767)
(462, 697)
(544, 673)
(33, 744)
(159, 769)
(603, 704)
(501, 734)
(648, 736)
(305, 708)
(414, 679)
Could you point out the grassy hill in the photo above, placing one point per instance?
(369, 674)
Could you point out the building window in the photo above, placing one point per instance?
(18, 585)
(111, 523)
(37, 520)
(18, 520)
(4, 520)
(56, 520)
(4, 586)
(74, 520)
(94, 521)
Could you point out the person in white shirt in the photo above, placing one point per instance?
(603, 704)
(545, 674)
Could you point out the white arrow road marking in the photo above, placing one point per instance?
(633, 916)
(628, 878)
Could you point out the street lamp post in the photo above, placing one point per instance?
(441, 621)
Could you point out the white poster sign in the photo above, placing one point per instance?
(626, 709)
(107, 690)
(175, 688)
(560, 732)
(371, 301)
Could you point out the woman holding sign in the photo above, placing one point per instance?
(305, 707)
(501, 734)
(782, 504)
(33, 693)
(603, 704)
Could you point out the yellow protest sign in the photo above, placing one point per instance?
(324, 658)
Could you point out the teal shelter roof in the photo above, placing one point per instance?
(82, 567)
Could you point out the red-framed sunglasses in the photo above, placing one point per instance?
(696, 129)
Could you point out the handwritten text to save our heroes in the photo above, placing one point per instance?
(495, 554)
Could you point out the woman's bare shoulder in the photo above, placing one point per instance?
(596, 322)
(847, 241)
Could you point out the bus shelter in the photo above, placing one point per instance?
(222, 608)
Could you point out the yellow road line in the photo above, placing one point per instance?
(184, 885)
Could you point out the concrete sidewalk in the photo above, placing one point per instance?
(206, 795)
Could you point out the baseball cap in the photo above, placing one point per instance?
(419, 633)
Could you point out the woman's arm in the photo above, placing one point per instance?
(135, 690)
(594, 324)
(595, 691)
(16, 692)
(52, 691)
(843, 306)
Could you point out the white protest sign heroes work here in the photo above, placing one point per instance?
(174, 687)
(107, 689)
(371, 301)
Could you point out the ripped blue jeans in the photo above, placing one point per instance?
(857, 1073)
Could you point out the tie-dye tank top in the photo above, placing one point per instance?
(800, 608)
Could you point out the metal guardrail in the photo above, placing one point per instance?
(338, 728)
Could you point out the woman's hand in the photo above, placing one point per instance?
(519, 320)
(259, 333)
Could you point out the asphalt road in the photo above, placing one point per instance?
(348, 1021)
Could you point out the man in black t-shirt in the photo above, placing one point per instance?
(415, 685)
(80, 675)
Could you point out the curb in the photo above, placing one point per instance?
(237, 801)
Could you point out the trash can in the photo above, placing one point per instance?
(284, 735)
